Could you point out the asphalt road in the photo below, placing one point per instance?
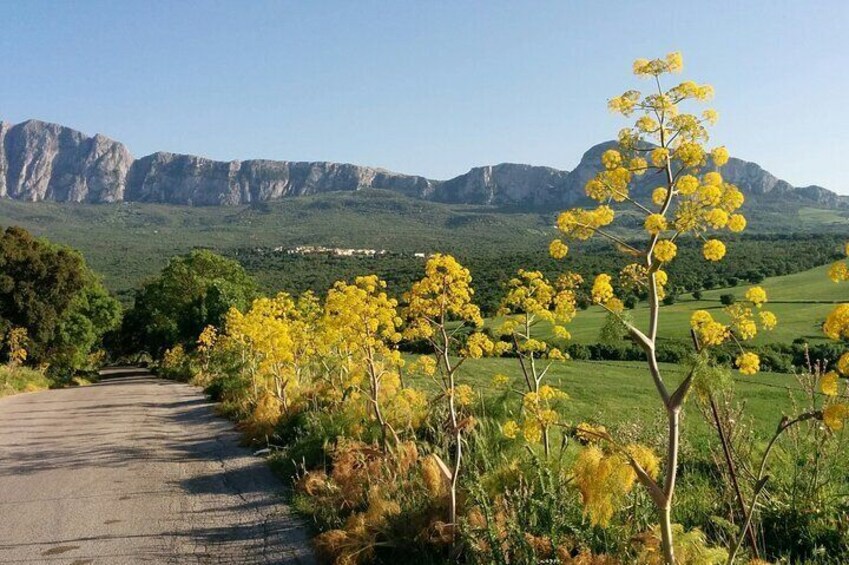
(135, 469)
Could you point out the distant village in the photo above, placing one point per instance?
(338, 251)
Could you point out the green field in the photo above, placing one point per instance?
(801, 301)
(622, 392)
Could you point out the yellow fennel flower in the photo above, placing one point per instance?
(768, 320)
(687, 185)
(510, 429)
(716, 218)
(834, 415)
(756, 295)
(719, 155)
(700, 318)
(658, 196)
(748, 363)
(829, 384)
(713, 250)
(558, 249)
(602, 290)
(737, 223)
(665, 250)
(655, 223)
(611, 159)
(839, 272)
(836, 325)
(843, 364)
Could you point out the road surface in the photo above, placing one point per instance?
(135, 469)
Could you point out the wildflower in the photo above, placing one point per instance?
(714, 250)
(748, 363)
(687, 185)
(713, 179)
(665, 250)
(690, 154)
(558, 249)
(737, 223)
(756, 295)
(646, 124)
(655, 223)
(611, 159)
(839, 272)
(717, 218)
(659, 157)
(843, 364)
(556, 355)
(638, 165)
(500, 381)
(700, 318)
(658, 196)
(510, 429)
(532, 431)
(713, 333)
(478, 345)
(768, 320)
(587, 433)
(709, 195)
(719, 155)
(834, 415)
(836, 325)
(711, 116)
(602, 290)
(464, 395)
(829, 383)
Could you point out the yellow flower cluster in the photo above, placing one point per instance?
(714, 250)
(582, 224)
(655, 223)
(557, 249)
(444, 293)
(836, 325)
(605, 478)
(839, 271)
(756, 295)
(602, 290)
(665, 250)
(748, 363)
(672, 63)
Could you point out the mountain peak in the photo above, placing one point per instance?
(45, 161)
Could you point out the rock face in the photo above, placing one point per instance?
(42, 161)
(506, 183)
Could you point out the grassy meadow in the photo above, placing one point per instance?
(801, 301)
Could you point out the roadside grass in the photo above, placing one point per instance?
(14, 380)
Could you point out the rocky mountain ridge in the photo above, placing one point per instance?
(43, 161)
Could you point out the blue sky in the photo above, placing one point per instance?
(428, 87)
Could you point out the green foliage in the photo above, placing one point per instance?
(50, 291)
(38, 282)
(193, 291)
(21, 379)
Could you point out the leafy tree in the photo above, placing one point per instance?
(38, 282)
(49, 291)
(193, 291)
(727, 299)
